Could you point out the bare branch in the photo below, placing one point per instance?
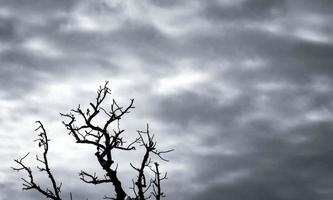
(101, 137)
(92, 178)
(107, 137)
(150, 148)
(30, 184)
(157, 193)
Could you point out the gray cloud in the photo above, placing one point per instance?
(241, 89)
(243, 10)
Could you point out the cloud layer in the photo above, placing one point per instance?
(241, 89)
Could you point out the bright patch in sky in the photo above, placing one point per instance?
(41, 47)
(313, 36)
(185, 79)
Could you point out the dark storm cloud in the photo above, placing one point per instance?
(35, 7)
(275, 169)
(255, 125)
(321, 6)
(188, 109)
(273, 162)
(243, 10)
(168, 4)
(145, 40)
(7, 31)
(277, 163)
(34, 45)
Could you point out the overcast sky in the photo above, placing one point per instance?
(241, 89)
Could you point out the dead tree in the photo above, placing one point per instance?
(30, 183)
(107, 138)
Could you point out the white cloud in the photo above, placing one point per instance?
(42, 47)
(101, 17)
(313, 36)
(182, 80)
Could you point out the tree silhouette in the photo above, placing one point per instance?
(106, 137)
(30, 184)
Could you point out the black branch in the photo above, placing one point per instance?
(100, 136)
(141, 186)
(99, 126)
(29, 183)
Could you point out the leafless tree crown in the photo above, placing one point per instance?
(106, 138)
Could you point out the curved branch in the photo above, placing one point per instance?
(54, 192)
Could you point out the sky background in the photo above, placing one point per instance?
(241, 89)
